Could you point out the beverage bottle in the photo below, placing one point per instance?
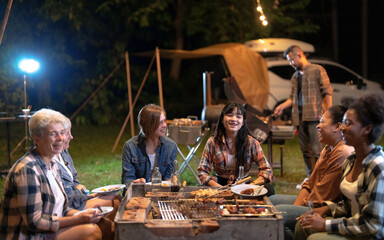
(156, 180)
(175, 178)
(241, 173)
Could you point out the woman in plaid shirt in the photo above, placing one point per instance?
(233, 146)
(361, 213)
(34, 203)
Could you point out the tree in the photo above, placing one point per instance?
(83, 40)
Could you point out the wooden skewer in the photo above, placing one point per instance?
(243, 180)
(225, 188)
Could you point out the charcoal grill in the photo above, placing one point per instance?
(189, 218)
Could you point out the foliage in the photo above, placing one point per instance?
(81, 42)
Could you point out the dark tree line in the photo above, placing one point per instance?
(79, 42)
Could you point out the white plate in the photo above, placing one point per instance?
(108, 189)
(105, 210)
(238, 188)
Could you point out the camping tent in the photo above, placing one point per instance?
(247, 67)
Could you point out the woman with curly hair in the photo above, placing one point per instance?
(361, 212)
(233, 146)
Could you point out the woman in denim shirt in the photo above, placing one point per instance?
(150, 149)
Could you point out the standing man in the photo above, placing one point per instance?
(311, 96)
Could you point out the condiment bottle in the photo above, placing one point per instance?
(175, 177)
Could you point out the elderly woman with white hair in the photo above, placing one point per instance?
(34, 204)
(77, 197)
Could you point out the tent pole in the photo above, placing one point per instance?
(133, 105)
(159, 77)
(5, 20)
(129, 93)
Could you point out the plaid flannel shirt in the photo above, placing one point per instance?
(26, 210)
(370, 197)
(314, 87)
(217, 155)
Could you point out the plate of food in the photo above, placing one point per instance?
(101, 211)
(108, 189)
(249, 190)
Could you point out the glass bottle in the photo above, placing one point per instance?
(241, 173)
(156, 180)
(175, 177)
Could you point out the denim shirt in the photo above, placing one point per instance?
(136, 163)
(76, 198)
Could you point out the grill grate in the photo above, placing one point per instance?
(169, 213)
(187, 209)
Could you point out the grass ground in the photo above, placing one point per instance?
(97, 166)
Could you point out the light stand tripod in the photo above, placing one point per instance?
(27, 66)
(26, 115)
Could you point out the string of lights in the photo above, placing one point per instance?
(262, 17)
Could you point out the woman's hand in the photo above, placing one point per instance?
(258, 181)
(314, 221)
(213, 184)
(139, 180)
(90, 216)
(81, 187)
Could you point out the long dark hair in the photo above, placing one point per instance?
(242, 143)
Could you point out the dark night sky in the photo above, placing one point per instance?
(349, 34)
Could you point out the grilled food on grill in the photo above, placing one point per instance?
(204, 192)
(250, 210)
(233, 208)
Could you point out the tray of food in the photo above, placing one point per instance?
(186, 130)
(237, 210)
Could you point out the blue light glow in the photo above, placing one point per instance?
(29, 65)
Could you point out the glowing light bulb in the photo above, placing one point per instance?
(262, 17)
(259, 8)
(265, 22)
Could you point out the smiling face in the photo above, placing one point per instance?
(162, 129)
(51, 141)
(352, 130)
(327, 130)
(233, 121)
